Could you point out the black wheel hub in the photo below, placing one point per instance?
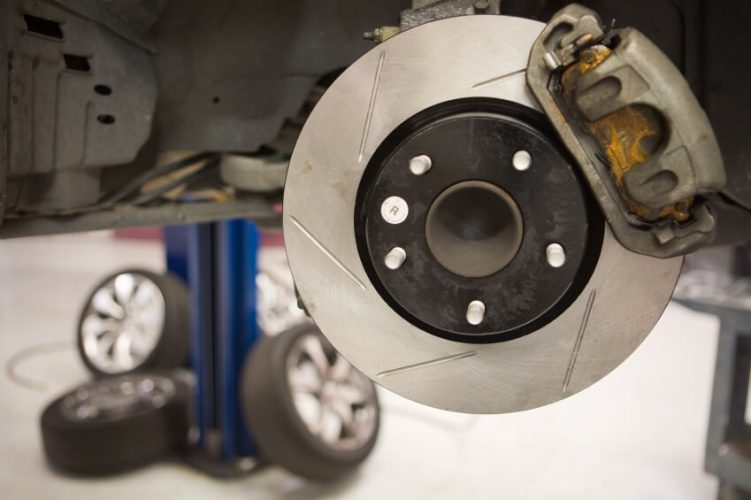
(477, 226)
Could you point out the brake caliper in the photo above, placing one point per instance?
(638, 134)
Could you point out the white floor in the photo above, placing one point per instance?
(637, 434)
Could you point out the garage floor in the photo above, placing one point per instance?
(638, 434)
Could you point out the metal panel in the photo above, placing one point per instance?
(256, 207)
(728, 450)
(729, 435)
(232, 70)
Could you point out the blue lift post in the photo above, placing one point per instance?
(219, 262)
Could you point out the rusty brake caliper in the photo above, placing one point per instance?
(638, 134)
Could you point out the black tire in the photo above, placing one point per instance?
(136, 435)
(172, 349)
(727, 491)
(280, 433)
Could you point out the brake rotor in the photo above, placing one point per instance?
(440, 236)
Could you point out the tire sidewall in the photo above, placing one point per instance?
(101, 447)
(272, 390)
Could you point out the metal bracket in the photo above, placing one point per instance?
(425, 11)
(729, 433)
(639, 135)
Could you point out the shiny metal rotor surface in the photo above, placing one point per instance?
(465, 57)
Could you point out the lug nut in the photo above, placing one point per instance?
(394, 210)
(475, 312)
(555, 254)
(522, 160)
(419, 165)
(395, 258)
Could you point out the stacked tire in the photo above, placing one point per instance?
(132, 335)
(309, 410)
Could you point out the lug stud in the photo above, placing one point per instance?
(419, 165)
(522, 160)
(395, 258)
(475, 312)
(555, 254)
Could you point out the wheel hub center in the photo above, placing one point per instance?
(474, 228)
(467, 256)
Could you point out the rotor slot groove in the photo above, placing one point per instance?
(327, 252)
(425, 364)
(371, 106)
(497, 79)
(579, 338)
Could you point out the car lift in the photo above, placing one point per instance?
(219, 262)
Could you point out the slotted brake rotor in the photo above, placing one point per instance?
(441, 238)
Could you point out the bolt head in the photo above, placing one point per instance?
(394, 210)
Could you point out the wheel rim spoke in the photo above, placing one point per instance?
(308, 406)
(104, 303)
(353, 394)
(121, 352)
(125, 285)
(96, 326)
(344, 411)
(145, 294)
(139, 344)
(330, 425)
(341, 369)
(103, 346)
(302, 380)
(313, 348)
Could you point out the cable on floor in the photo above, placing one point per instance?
(31, 352)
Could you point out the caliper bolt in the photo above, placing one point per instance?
(521, 160)
(394, 210)
(395, 258)
(419, 165)
(475, 312)
(555, 254)
(551, 61)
